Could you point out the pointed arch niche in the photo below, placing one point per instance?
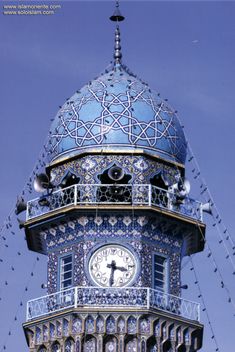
(55, 347)
(111, 344)
(131, 345)
(90, 344)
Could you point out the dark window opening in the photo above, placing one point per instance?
(116, 188)
(160, 272)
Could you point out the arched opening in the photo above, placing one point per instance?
(164, 331)
(100, 324)
(172, 332)
(110, 344)
(152, 344)
(116, 188)
(132, 325)
(58, 329)
(121, 325)
(55, 347)
(45, 333)
(65, 327)
(42, 349)
(52, 330)
(186, 336)
(160, 195)
(67, 194)
(38, 335)
(89, 324)
(143, 345)
(158, 181)
(157, 328)
(69, 345)
(30, 337)
(69, 179)
(181, 348)
(167, 346)
(114, 175)
(178, 336)
(195, 340)
(144, 325)
(76, 324)
(89, 344)
(110, 325)
(131, 344)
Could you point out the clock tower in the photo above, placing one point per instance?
(115, 219)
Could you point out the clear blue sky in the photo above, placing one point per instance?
(185, 50)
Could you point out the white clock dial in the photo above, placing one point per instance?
(112, 266)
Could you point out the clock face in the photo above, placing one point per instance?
(112, 266)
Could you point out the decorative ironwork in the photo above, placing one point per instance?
(112, 297)
(126, 194)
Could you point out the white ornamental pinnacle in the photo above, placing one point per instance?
(117, 17)
(117, 53)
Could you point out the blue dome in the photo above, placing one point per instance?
(117, 112)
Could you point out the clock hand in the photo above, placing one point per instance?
(111, 279)
(113, 267)
(121, 268)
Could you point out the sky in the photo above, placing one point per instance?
(184, 50)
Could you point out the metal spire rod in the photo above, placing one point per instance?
(117, 17)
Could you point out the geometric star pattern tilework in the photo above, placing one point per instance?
(117, 109)
(141, 233)
(89, 167)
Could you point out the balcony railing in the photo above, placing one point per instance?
(118, 194)
(138, 298)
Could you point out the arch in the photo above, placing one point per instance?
(195, 340)
(90, 344)
(69, 345)
(76, 324)
(164, 331)
(186, 337)
(52, 330)
(42, 348)
(110, 325)
(110, 344)
(143, 345)
(132, 325)
(77, 348)
(157, 328)
(178, 336)
(106, 176)
(58, 329)
(114, 190)
(55, 347)
(131, 345)
(89, 324)
(121, 325)
(65, 327)
(38, 335)
(152, 344)
(144, 325)
(181, 348)
(159, 194)
(45, 333)
(67, 194)
(158, 181)
(166, 347)
(171, 332)
(100, 324)
(69, 179)
(30, 337)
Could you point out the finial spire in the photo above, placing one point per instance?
(117, 17)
